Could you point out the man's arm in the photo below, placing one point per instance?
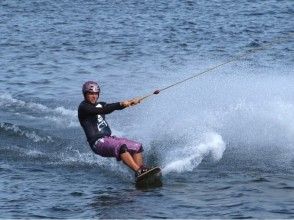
(104, 109)
(108, 108)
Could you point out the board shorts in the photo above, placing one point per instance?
(110, 146)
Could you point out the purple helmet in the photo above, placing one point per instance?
(90, 86)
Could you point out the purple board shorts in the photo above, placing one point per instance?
(110, 146)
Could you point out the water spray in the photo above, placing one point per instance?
(235, 58)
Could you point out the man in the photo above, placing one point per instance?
(91, 115)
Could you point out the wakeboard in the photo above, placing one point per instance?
(151, 178)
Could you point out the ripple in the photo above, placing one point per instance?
(59, 209)
(234, 205)
(41, 82)
(283, 211)
(37, 170)
(260, 180)
(77, 194)
(254, 44)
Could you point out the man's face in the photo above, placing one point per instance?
(92, 97)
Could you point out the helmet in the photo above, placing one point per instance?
(90, 86)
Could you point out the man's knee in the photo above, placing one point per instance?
(123, 149)
(140, 149)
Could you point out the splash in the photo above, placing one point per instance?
(250, 109)
(191, 156)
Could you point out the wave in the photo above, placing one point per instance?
(69, 157)
(17, 153)
(23, 132)
(60, 115)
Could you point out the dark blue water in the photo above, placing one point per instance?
(225, 140)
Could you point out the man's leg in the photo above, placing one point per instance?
(121, 148)
(135, 149)
(127, 158)
(138, 158)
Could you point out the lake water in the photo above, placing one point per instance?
(224, 140)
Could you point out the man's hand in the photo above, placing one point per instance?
(130, 102)
(135, 101)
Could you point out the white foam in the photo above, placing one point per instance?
(24, 151)
(6, 99)
(30, 135)
(66, 112)
(60, 115)
(192, 155)
(63, 121)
